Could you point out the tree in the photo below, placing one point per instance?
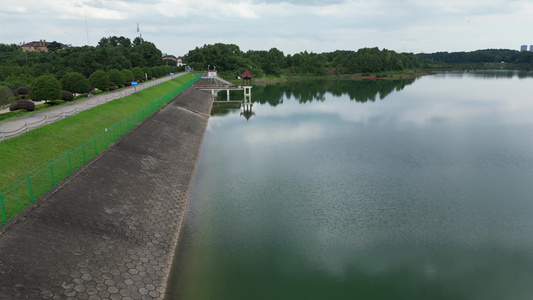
(100, 80)
(53, 46)
(147, 71)
(137, 73)
(6, 97)
(75, 82)
(128, 75)
(45, 87)
(116, 77)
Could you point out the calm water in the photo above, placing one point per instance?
(366, 190)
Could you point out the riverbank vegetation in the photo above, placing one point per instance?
(231, 61)
(479, 59)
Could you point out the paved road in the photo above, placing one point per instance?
(110, 231)
(21, 125)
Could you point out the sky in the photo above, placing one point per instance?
(292, 26)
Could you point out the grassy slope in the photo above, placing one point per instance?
(21, 154)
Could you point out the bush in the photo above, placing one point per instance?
(99, 79)
(6, 96)
(90, 89)
(22, 91)
(127, 74)
(74, 82)
(127, 83)
(96, 92)
(116, 77)
(23, 104)
(112, 86)
(137, 73)
(45, 87)
(67, 96)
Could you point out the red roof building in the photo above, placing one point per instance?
(39, 46)
(247, 77)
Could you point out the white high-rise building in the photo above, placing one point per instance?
(523, 48)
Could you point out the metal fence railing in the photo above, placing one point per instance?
(25, 190)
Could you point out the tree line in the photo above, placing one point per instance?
(230, 60)
(478, 57)
(60, 73)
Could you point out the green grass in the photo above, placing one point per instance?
(21, 154)
(33, 163)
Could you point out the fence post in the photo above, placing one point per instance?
(29, 183)
(77, 110)
(26, 124)
(2, 206)
(69, 163)
(2, 134)
(83, 151)
(95, 147)
(105, 138)
(46, 118)
(63, 114)
(52, 173)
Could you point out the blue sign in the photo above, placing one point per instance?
(134, 83)
(171, 74)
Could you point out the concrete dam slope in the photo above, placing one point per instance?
(110, 230)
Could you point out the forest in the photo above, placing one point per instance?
(519, 59)
(231, 61)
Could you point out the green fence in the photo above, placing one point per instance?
(24, 191)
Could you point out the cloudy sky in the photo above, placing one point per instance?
(176, 26)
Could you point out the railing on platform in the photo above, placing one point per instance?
(25, 190)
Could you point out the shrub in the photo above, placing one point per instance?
(74, 82)
(67, 96)
(147, 71)
(127, 83)
(45, 87)
(22, 91)
(127, 74)
(112, 86)
(137, 73)
(96, 92)
(99, 79)
(90, 89)
(23, 104)
(116, 77)
(6, 96)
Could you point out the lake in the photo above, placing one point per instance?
(412, 189)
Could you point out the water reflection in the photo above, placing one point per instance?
(427, 195)
(488, 74)
(307, 91)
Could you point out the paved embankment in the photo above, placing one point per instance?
(110, 231)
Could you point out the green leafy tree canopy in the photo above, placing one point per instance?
(45, 87)
(100, 80)
(128, 75)
(75, 82)
(116, 77)
(6, 97)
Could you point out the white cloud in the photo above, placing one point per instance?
(176, 26)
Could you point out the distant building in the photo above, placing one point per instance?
(212, 73)
(523, 48)
(180, 62)
(39, 46)
(530, 48)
